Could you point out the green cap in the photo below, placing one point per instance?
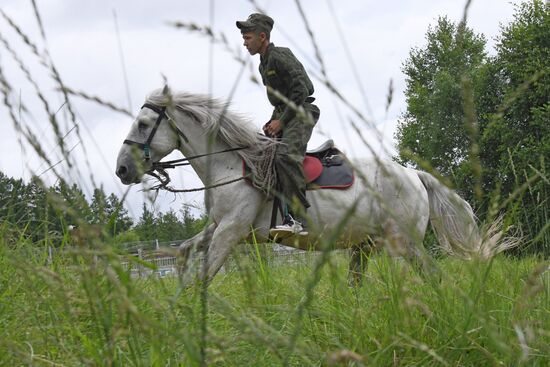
(256, 21)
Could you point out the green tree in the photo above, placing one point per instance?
(40, 213)
(4, 196)
(146, 227)
(13, 208)
(433, 129)
(119, 220)
(505, 102)
(39, 217)
(192, 224)
(8, 219)
(24, 208)
(69, 204)
(170, 227)
(518, 132)
(516, 139)
(109, 212)
(98, 207)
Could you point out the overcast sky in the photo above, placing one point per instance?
(83, 44)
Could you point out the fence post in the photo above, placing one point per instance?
(50, 255)
(140, 257)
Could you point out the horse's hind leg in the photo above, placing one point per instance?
(422, 262)
(407, 243)
(358, 262)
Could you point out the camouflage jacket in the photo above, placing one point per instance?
(282, 71)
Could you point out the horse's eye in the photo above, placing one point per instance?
(142, 126)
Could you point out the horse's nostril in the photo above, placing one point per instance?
(121, 171)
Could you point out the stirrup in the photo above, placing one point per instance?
(290, 227)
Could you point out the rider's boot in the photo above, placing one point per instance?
(292, 226)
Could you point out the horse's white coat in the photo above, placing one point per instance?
(387, 199)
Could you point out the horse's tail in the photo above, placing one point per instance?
(453, 220)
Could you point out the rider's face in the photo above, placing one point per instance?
(253, 41)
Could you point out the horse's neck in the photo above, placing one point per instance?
(214, 167)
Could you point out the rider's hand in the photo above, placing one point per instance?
(264, 128)
(273, 128)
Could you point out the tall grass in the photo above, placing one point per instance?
(84, 308)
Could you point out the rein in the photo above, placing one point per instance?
(158, 171)
(164, 179)
(185, 161)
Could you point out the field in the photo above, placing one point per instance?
(84, 309)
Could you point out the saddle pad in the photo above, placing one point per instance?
(338, 176)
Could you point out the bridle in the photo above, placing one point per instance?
(160, 167)
(161, 111)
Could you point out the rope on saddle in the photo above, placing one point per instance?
(262, 169)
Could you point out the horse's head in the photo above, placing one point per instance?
(152, 137)
(195, 124)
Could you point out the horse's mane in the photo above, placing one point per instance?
(231, 128)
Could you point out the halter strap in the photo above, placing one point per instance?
(161, 115)
(161, 111)
(157, 109)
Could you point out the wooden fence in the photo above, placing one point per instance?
(157, 262)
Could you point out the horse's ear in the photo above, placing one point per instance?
(167, 92)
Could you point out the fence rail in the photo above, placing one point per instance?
(158, 258)
(167, 265)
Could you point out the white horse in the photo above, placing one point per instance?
(387, 200)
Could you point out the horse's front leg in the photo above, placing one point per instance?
(227, 234)
(199, 242)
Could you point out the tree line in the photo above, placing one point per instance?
(30, 211)
(482, 121)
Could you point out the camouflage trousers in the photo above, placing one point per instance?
(291, 182)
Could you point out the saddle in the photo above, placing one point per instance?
(326, 167)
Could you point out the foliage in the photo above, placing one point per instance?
(168, 226)
(483, 121)
(433, 126)
(35, 212)
(517, 136)
(109, 212)
(146, 227)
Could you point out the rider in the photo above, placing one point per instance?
(288, 89)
